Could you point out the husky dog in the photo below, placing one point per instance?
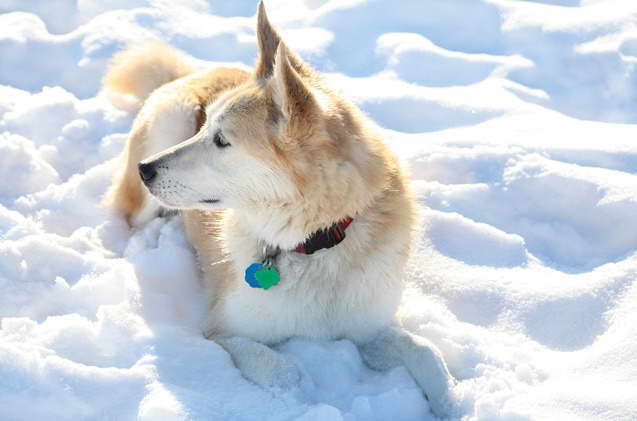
(300, 215)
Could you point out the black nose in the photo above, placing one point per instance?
(147, 171)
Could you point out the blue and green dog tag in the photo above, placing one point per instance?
(260, 275)
(264, 275)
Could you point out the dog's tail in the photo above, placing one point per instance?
(137, 71)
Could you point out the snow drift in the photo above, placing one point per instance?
(519, 123)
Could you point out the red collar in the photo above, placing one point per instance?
(326, 238)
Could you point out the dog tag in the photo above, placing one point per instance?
(250, 275)
(267, 276)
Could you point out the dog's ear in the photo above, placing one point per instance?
(293, 97)
(267, 40)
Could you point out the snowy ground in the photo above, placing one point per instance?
(519, 121)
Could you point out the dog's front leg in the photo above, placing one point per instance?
(260, 363)
(395, 346)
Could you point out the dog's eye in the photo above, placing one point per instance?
(220, 141)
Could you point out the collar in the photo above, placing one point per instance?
(265, 274)
(325, 239)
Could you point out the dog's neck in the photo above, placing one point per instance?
(283, 228)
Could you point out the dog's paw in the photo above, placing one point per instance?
(441, 403)
(430, 372)
(261, 364)
(395, 346)
(273, 371)
(285, 374)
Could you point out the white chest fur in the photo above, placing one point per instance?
(333, 293)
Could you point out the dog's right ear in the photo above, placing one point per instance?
(268, 40)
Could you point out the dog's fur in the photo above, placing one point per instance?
(300, 159)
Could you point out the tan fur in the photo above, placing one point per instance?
(126, 193)
(136, 72)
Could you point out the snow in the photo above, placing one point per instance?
(518, 121)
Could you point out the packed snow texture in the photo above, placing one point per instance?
(518, 120)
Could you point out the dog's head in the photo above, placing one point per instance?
(279, 140)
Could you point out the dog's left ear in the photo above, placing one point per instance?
(294, 98)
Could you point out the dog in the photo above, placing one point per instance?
(300, 215)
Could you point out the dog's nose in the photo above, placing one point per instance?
(147, 171)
